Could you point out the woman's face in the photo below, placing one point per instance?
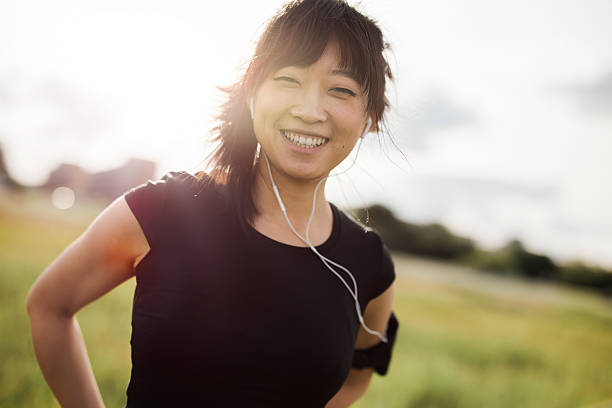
(308, 119)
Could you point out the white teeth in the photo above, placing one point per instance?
(303, 141)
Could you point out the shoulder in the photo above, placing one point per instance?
(177, 194)
(156, 192)
(371, 248)
(356, 231)
(175, 180)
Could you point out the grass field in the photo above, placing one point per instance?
(466, 339)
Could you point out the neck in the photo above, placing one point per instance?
(297, 197)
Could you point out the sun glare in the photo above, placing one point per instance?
(63, 198)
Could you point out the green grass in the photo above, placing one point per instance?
(459, 347)
(465, 339)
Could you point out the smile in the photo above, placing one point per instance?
(306, 141)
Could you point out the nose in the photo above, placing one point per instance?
(309, 108)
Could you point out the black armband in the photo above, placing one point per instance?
(379, 355)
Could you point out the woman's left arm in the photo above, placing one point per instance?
(376, 316)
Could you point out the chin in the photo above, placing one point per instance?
(305, 174)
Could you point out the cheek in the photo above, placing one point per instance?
(265, 110)
(349, 123)
(349, 114)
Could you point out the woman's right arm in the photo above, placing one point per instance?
(100, 259)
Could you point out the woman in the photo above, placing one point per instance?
(252, 289)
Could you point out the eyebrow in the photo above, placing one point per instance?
(348, 74)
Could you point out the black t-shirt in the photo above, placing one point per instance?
(224, 316)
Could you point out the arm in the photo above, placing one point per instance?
(100, 259)
(376, 316)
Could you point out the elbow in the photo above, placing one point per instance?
(354, 388)
(39, 304)
(34, 304)
(360, 390)
(345, 397)
(31, 303)
(35, 300)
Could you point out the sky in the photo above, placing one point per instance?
(502, 111)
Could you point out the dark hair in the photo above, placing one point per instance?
(296, 35)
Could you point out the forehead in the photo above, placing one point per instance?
(329, 63)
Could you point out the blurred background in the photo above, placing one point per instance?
(493, 194)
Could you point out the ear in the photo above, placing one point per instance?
(367, 127)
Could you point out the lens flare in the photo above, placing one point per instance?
(62, 198)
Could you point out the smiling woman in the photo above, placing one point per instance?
(292, 42)
(252, 289)
(308, 119)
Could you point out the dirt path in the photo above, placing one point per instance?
(508, 287)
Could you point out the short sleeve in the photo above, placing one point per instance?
(147, 202)
(385, 275)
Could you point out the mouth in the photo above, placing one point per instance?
(303, 140)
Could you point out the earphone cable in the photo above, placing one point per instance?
(326, 261)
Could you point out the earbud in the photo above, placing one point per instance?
(251, 107)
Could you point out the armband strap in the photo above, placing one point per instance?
(379, 355)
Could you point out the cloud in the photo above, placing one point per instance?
(594, 97)
(489, 210)
(438, 197)
(580, 228)
(489, 188)
(427, 197)
(434, 112)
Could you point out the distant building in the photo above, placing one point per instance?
(6, 181)
(68, 175)
(107, 184)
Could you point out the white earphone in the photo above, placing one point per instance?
(366, 130)
(326, 261)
